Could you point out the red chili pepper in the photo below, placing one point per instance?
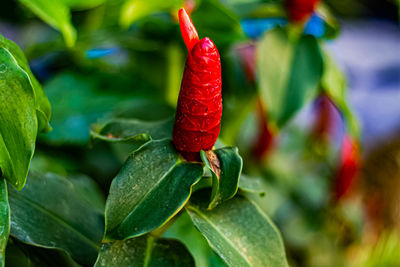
(300, 10)
(198, 115)
(348, 168)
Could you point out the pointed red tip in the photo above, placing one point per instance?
(188, 31)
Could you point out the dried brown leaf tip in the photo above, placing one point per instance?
(214, 162)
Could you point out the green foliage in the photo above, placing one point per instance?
(24, 111)
(77, 104)
(51, 212)
(23, 255)
(18, 121)
(116, 86)
(143, 251)
(4, 220)
(42, 104)
(184, 230)
(133, 10)
(228, 164)
(214, 20)
(239, 232)
(334, 84)
(81, 100)
(152, 186)
(133, 130)
(289, 71)
(89, 190)
(384, 253)
(55, 13)
(252, 184)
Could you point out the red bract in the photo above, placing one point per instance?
(265, 137)
(247, 60)
(198, 115)
(348, 167)
(300, 10)
(325, 121)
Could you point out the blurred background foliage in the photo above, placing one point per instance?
(103, 59)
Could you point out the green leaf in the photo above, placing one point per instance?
(152, 186)
(144, 251)
(55, 13)
(225, 171)
(184, 230)
(89, 190)
(289, 73)
(19, 126)
(252, 184)
(79, 100)
(334, 84)
(4, 220)
(23, 255)
(50, 212)
(133, 10)
(133, 130)
(214, 20)
(77, 104)
(382, 253)
(24, 109)
(82, 5)
(43, 109)
(240, 233)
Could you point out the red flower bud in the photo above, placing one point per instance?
(198, 115)
(349, 165)
(300, 10)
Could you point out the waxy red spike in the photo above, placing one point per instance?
(188, 31)
(199, 109)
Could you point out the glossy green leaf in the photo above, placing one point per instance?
(144, 251)
(183, 229)
(24, 109)
(19, 126)
(240, 233)
(152, 186)
(133, 130)
(55, 13)
(43, 109)
(289, 73)
(225, 184)
(4, 219)
(51, 212)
